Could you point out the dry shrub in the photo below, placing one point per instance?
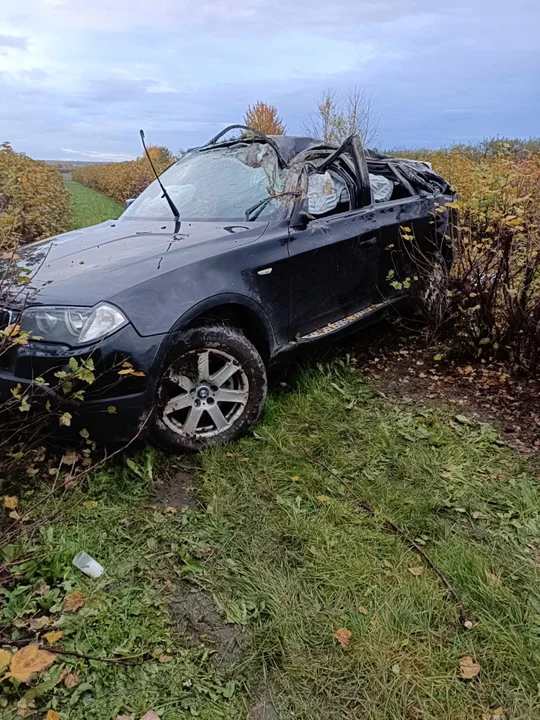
(489, 305)
(121, 181)
(34, 202)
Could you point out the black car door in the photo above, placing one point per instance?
(334, 255)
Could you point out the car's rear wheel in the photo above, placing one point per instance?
(212, 390)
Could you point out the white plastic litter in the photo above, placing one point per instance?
(86, 564)
(381, 188)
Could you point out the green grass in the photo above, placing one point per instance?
(290, 570)
(90, 207)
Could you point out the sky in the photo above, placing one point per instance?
(78, 78)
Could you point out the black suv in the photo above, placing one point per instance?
(282, 240)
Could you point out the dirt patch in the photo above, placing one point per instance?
(197, 621)
(262, 706)
(178, 490)
(488, 392)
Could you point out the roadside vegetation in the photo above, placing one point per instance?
(34, 203)
(358, 556)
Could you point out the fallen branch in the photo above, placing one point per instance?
(368, 507)
(129, 660)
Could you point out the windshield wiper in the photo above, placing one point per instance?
(262, 204)
(165, 195)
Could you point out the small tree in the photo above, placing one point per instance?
(334, 119)
(264, 118)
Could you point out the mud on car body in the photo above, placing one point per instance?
(282, 240)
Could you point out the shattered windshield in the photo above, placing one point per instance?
(217, 184)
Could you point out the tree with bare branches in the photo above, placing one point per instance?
(336, 118)
(265, 118)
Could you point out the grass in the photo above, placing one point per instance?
(89, 207)
(287, 554)
(284, 552)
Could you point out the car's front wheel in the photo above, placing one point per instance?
(212, 389)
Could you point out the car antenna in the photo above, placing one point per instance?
(166, 195)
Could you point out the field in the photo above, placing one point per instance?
(297, 574)
(89, 207)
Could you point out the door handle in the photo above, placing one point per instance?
(266, 271)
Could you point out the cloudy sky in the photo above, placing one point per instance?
(78, 78)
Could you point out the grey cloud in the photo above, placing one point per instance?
(13, 41)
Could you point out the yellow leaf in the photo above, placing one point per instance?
(11, 502)
(468, 668)
(14, 515)
(5, 658)
(295, 478)
(363, 610)
(342, 636)
(171, 510)
(324, 500)
(244, 459)
(53, 637)
(52, 715)
(111, 410)
(416, 570)
(65, 419)
(165, 658)
(29, 660)
(74, 601)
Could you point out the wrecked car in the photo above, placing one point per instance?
(252, 246)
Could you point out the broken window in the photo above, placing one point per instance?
(217, 184)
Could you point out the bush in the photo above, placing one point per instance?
(489, 305)
(34, 202)
(121, 181)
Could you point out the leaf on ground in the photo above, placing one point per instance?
(71, 680)
(125, 717)
(295, 478)
(342, 636)
(11, 502)
(150, 715)
(25, 708)
(73, 602)
(171, 510)
(463, 419)
(418, 570)
(165, 658)
(29, 660)
(5, 658)
(363, 611)
(39, 623)
(324, 499)
(468, 668)
(52, 715)
(53, 636)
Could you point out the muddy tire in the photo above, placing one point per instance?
(212, 390)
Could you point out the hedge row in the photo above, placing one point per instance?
(120, 181)
(34, 202)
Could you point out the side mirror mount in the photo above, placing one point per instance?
(301, 217)
(129, 202)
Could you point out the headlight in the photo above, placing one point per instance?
(72, 325)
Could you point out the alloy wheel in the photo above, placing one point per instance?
(203, 393)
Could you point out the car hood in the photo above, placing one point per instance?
(87, 266)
